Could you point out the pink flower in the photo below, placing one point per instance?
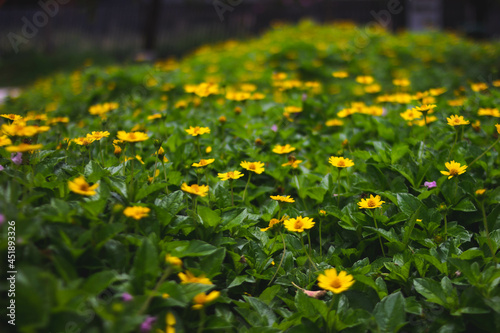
(147, 324)
(126, 297)
(2, 219)
(430, 185)
(17, 158)
(274, 128)
(1, 168)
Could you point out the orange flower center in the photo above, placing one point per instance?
(195, 187)
(298, 224)
(371, 203)
(341, 163)
(84, 187)
(454, 172)
(131, 136)
(336, 283)
(252, 166)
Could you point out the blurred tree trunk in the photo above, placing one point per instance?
(151, 25)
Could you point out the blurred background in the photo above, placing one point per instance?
(38, 37)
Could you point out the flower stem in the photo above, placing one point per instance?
(310, 251)
(488, 239)
(454, 143)
(487, 150)
(154, 172)
(248, 182)
(379, 238)
(203, 318)
(320, 243)
(338, 188)
(198, 145)
(166, 273)
(445, 227)
(232, 196)
(165, 174)
(328, 314)
(282, 258)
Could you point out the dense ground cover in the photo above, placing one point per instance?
(218, 192)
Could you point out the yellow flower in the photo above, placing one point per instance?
(299, 224)
(230, 175)
(372, 202)
(203, 163)
(19, 128)
(80, 186)
(282, 198)
(174, 261)
(334, 122)
(488, 112)
(340, 74)
(401, 82)
(335, 283)
(456, 102)
(293, 109)
(154, 116)
(201, 190)
(478, 86)
(457, 120)
(188, 277)
(480, 191)
(84, 141)
(132, 136)
(257, 167)
(11, 116)
(425, 108)
(340, 162)
(23, 147)
(208, 150)
(222, 119)
(272, 223)
(411, 114)
(195, 131)
(454, 169)
(98, 135)
(202, 299)
(237, 95)
(293, 163)
(498, 128)
(283, 149)
(4, 141)
(364, 79)
(136, 212)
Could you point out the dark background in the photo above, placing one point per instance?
(118, 30)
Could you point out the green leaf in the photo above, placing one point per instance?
(263, 310)
(316, 193)
(389, 313)
(465, 206)
(239, 280)
(269, 294)
(194, 248)
(94, 172)
(97, 282)
(431, 290)
(212, 263)
(398, 151)
(145, 265)
(148, 189)
(209, 217)
(409, 204)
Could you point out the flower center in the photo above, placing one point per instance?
(454, 172)
(371, 203)
(252, 166)
(84, 187)
(230, 174)
(195, 187)
(341, 163)
(298, 224)
(336, 283)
